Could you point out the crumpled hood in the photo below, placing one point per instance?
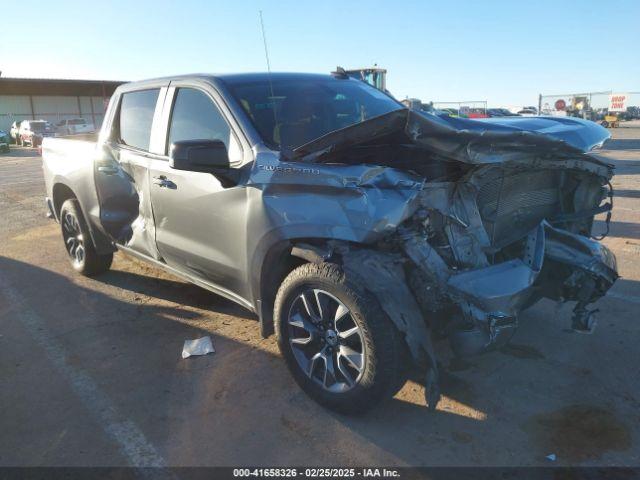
(473, 141)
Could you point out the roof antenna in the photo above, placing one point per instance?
(266, 54)
(264, 40)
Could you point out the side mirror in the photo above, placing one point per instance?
(199, 155)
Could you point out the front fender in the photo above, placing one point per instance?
(291, 202)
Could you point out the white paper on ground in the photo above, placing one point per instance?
(199, 346)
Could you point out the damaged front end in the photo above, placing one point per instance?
(503, 241)
(516, 227)
(502, 220)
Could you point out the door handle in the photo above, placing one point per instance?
(163, 182)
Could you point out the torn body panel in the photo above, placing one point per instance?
(122, 186)
(463, 140)
(358, 203)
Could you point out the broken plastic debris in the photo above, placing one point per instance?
(199, 346)
(551, 457)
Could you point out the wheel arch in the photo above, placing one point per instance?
(60, 194)
(280, 260)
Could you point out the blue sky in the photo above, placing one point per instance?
(503, 51)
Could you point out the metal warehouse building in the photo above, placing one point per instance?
(53, 100)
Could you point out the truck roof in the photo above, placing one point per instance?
(229, 78)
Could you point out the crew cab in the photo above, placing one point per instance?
(356, 229)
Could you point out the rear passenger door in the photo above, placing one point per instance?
(121, 171)
(200, 224)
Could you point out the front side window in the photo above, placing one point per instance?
(136, 118)
(196, 117)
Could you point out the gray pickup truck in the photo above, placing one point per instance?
(356, 229)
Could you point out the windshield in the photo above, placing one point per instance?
(77, 121)
(301, 110)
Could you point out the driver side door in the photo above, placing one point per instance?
(200, 223)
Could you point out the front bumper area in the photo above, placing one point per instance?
(556, 264)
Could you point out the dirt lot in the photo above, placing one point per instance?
(91, 372)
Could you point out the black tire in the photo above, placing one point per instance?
(78, 243)
(382, 371)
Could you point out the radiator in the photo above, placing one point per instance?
(512, 205)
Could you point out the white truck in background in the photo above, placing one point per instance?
(74, 126)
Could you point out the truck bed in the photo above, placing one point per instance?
(68, 161)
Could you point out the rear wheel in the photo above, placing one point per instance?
(340, 347)
(77, 240)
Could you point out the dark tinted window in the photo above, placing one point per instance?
(291, 112)
(136, 117)
(195, 117)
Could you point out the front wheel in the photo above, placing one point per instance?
(340, 347)
(77, 240)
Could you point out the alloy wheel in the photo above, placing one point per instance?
(73, 238)
(325, 340)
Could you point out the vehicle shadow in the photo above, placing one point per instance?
(240, 406)
(175, 291)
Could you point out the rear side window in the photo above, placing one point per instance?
(136, 118)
